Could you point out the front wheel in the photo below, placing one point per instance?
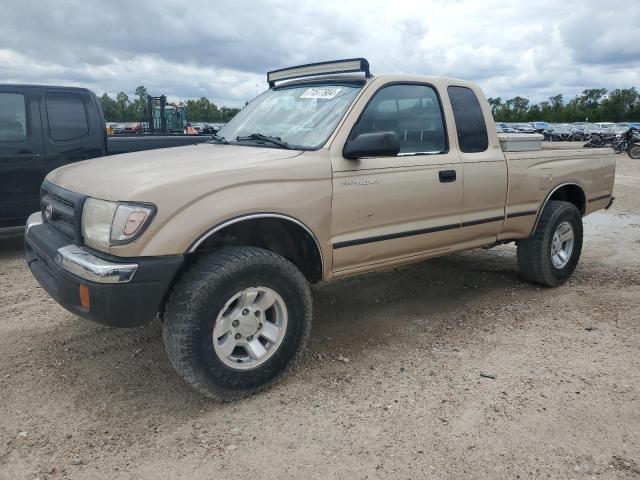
(551, 254)
(237, 321)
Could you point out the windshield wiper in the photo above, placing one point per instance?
(216, 139)
(265, 138)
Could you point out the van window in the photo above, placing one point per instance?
(13, 118)
(472, 131)
(411, 111)
(66, 114)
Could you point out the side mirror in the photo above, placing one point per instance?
(374, 144)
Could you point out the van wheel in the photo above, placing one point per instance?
(551, 254)
(236, 321)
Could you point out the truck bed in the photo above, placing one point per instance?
(534, 176)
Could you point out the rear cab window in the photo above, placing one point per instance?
(13, 117)
(66, 116)
(470, 124)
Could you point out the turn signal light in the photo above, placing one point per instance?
(84, 296)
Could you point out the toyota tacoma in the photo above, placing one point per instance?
(331, 172)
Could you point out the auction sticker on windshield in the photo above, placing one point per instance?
(325, 92)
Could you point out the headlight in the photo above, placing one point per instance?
(109, 223)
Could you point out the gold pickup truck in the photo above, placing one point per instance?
(330, 172)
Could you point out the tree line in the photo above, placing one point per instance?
(593, 105)
(125, 109)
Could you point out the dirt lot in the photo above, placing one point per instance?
(82, 401)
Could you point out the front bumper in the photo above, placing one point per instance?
(121, 293)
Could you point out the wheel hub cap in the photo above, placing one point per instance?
(562, 245)
(250, 327)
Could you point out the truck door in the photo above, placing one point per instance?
(484, 166)
(21, 155)
(388, 209)
(73, 128)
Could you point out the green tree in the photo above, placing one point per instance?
(622, 104)
(109, 107)
(495, 104)
(140, 106)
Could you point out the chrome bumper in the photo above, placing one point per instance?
(83, 264)
(34, 219)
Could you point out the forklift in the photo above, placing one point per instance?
(163, 118)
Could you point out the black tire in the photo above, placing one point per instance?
(534, 253)
(199, 296)
(634, 151)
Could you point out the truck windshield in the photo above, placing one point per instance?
(302, 116)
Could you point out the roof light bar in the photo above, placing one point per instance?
(321, 68)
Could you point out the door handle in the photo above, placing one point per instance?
(25, 156)
(447, 176)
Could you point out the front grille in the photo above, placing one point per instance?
(62, 209)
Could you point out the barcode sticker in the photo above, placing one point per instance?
(325, 92)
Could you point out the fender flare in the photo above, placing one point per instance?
(252, 216)
(549, 195)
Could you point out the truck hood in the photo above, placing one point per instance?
(136, 176)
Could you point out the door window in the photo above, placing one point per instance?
(472, 131)
(13, 118)
(411, 111)
(67, 117)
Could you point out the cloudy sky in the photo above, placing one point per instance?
(221, 50)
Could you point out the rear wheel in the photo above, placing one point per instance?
(237, 321)
(634, 151)
(551, 254)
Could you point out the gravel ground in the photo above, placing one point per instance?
(453, 368)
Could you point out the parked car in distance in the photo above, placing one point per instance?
(223, 240)
(577, 134)
(199, 126)
(205, 127)
(115, 128)
(618, 130)
(590, 129)
(502, 127)
(629, 124)
(133, 128)
(43, 128)
(605, 125)
(540, 126)
(558, 132)
(522, 127)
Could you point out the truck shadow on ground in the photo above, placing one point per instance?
(92, 363)
(11, 245)
(87, 363)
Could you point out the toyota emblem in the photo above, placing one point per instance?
(48, 212)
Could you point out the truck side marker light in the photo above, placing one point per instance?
(84, 296)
